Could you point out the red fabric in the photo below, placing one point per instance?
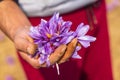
(95, 63)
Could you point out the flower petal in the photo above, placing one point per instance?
(66, 40)
(84, 43)
(82, 30)
(87, 38)
(65, 27)
(76, 56)
(48, 35)
(42, 59)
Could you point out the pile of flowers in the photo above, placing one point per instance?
(48, 35)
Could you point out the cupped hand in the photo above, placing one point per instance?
(26, 47)
(23, 42)
(53, 58)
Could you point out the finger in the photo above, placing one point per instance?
(32, 47)
(25, 45)
(37, 56)
(69, 52)
(30, 39)
(56, 56)
(33, 62)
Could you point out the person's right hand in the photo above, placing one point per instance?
(13, 22)
(25, 45)
(60, 55)
(53, 58)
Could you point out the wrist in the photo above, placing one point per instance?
(12, 20)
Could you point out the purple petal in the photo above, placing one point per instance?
(56, 44)
(42, 59)
(84, 43)
(48, 49)
(79, 27)
(76, 56)
(65, 27)
(66, 40)
(54, 17)
(87, 38)
(78, 48)
(82, 30)
(44, 25)
(34, 33)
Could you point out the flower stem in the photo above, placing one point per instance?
(58, 70)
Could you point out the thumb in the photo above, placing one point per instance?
(26, 45)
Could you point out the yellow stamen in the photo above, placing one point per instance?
(48, 35)
(79, 44)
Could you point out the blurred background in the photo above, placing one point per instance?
(11, 69)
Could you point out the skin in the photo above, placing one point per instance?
(15, 24)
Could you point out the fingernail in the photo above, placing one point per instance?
(62, 61)
(63, 48)
(75, 42)
(36, 57)
(30, 39)
(30, 50)
(78, 44)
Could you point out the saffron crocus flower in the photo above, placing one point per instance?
(48, 35)
(83, 39)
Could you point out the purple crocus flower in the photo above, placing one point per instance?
(83, 39)
(48, 35)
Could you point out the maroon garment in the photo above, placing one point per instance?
(95, 63)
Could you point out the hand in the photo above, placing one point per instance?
(25, 45)
(69, 52)
(14, 29)
(54, 57)
(60, 55)
(23, 42)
